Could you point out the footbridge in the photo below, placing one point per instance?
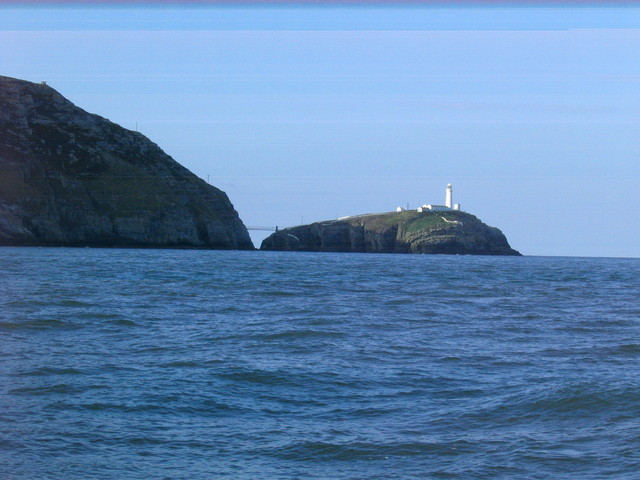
(264, 229)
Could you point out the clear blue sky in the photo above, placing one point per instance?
(312, 113)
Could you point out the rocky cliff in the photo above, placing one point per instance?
(452, 232)
(68, 177)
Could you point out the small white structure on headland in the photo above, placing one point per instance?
(448, 203)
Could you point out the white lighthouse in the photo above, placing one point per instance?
(447, 207)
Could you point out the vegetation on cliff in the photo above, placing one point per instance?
(453, 232)
(68, 177)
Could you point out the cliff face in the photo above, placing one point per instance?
(68, 177)
(404, 232)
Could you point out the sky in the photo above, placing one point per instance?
(304, 113)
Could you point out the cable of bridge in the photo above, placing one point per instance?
(265, 229)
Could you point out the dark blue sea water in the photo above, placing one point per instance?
(169, 364)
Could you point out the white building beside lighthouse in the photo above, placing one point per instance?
(448, 203)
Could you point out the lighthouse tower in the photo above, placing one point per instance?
(449, 198)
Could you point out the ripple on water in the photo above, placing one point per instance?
(44, 371)
(303, 334)
(40, 324)
(61, 388)
(327, 451)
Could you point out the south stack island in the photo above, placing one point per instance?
(429, 229)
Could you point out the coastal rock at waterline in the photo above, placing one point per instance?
(453, 232)
(68, 177)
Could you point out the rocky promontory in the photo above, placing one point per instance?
(68, 177)
(451, 232)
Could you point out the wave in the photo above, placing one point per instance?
(61, 388)
(328, 451)
(580, 401)
(43, 371)
(295, 334)
(40, 324)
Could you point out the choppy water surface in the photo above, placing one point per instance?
(160, 364)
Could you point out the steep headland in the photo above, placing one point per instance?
(452, 232)
(68, 177)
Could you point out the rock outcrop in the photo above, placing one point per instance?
(451, 232)
(68, 177)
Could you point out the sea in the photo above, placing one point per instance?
(193, 364)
